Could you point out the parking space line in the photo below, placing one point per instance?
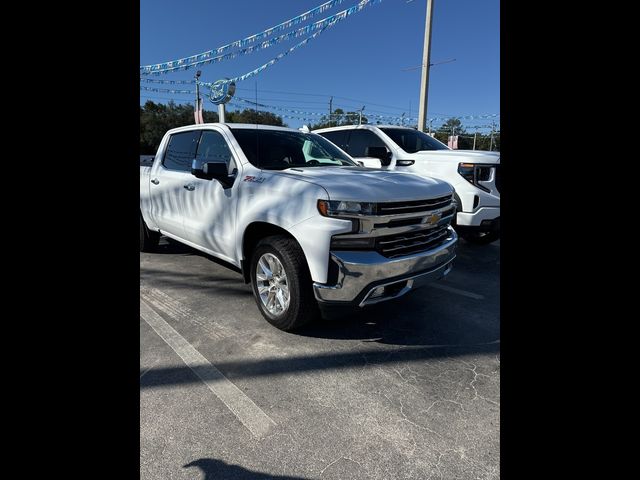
(180, 312)
(147, 369)
(249, 414)
(464, 293)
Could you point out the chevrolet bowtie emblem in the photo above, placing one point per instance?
(433, 219)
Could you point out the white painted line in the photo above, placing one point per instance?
(249, 414)
(464, 293)
(180, 312)
(146, 370)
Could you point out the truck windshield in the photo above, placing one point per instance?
(412, 141)
(279, 149)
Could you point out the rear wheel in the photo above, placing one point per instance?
(148, 239)
(282, 284)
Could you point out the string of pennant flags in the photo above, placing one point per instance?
(168, 82)
(165, 90)
(215, 55)
(307, 115)
(368, 115)
(338, 18)
(247, 40)
(250, 44)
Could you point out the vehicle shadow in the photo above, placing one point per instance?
(415, 319)
(168, 246)
(219, 470)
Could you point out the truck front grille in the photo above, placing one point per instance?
(498, 178)
(397, 208)
(411, 242)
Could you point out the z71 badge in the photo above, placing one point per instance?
(251, 178)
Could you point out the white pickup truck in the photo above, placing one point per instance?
(475, 175)
(304, 224)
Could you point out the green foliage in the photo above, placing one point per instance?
(251, 116)
(157, 118)
(465, 138)
(338, 118)
(465, 141)
(452, 125)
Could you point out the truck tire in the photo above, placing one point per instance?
(278, 267)
(148, 239)
(480, 238)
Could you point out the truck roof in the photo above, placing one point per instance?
(366, 125)
(200, 126)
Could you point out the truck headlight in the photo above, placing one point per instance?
(474, 173)
(339, 208)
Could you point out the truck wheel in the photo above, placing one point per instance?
(281, 283)
(148, 239)
(481, 238)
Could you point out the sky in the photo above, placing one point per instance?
(360, 61)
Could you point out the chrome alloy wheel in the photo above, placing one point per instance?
(272, 284)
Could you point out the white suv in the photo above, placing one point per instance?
(475, 175)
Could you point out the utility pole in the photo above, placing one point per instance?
(426, 60)
(474, 139)
(198, 99)
(402, 119)
(330, 108)
(430, 122)
(493, 126)
(360, 120)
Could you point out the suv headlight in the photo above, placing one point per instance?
(339, 208)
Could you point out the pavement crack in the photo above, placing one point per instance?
(471, 384)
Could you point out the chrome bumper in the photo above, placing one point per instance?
(366, 277)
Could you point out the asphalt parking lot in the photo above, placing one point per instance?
(404, 389)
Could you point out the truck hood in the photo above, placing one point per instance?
(370, 185)
(467, 156)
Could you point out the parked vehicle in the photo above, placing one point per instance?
(302, 222)
(475, 175)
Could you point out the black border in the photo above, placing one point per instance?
(77, 267)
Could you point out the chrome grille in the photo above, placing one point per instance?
(415, 206)
(411, 242)
(498, 178)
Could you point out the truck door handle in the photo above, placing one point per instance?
(190, 186)
(155, 181)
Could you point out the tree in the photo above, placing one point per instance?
(338, 118)
(251, 116)
(453, 126)
(157, 118)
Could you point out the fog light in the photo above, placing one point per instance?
(378, 292)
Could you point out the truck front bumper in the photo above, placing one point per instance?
(366, 277)
(478, 218)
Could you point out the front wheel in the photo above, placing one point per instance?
(148, 239)
(481, 238)
(282, 284)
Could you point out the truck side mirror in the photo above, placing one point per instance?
(213, 171)
(379, 152)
